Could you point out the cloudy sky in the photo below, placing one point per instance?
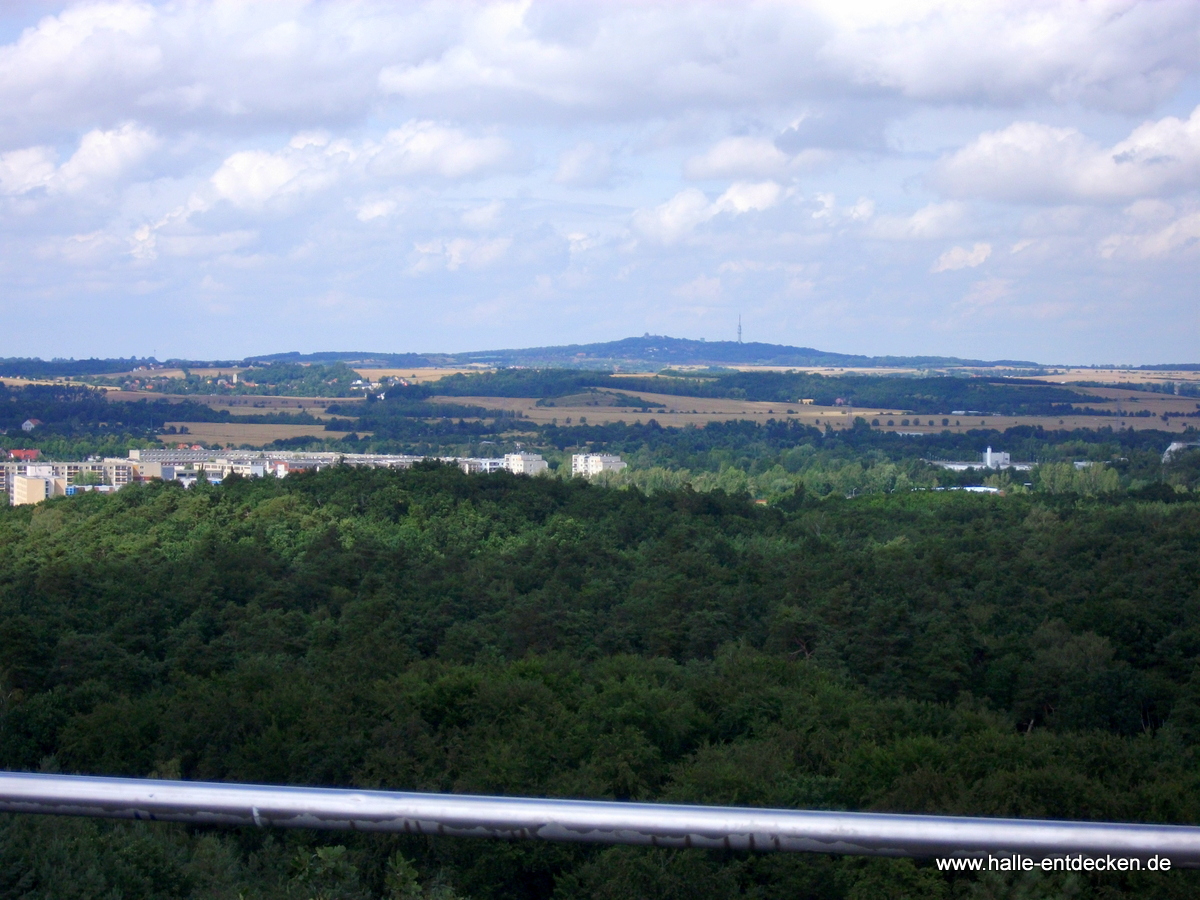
(214, 179)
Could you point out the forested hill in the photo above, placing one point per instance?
(924, 652)
(660, 350)
(648, 351)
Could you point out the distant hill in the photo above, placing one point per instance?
(648, 351)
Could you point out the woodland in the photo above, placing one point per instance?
(1021, 654)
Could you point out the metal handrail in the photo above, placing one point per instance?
(591, 821)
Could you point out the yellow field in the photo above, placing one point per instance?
(1115, 376)
(418, 374)
(239, 405)
(235, 434)
(21, 382)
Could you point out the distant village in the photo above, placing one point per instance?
(25, 478)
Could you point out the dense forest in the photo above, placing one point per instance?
(1026, 655)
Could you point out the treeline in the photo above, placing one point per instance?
(32, 367)
(428, 630)
(275, 379)
(757, 447)
(75, 411)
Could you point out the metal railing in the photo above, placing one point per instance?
(603, 822)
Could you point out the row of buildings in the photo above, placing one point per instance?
(26, 480)
(989, 459)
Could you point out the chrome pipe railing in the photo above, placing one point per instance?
(591, 821)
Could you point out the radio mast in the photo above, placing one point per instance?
(739, 328)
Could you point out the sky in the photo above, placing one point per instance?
(216, 179)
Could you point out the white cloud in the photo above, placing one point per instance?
(936, 220)
(205, 244)
(483, 217)
(1032, 162)
(584, 165)
(427, 148)
(962, 258)
(747, 197)
(313, 162)
(678, 216)
(1181, 234)
(251, 178)
(107, 155)
(102, 157)
(455, 253)
(25, 170)
(1111, 54)
(290, 64)
(670, 221)
(982, 297)
(739, 157)
(375, 209)
(140, 152)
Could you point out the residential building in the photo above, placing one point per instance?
(525, 463)
(29, 424)
(114, 472)
(590, 464)
(480, 466)
(28, 489)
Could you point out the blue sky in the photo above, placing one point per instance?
(214, 179)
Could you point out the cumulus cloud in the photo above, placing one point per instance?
(962, 258)
(736, 157)
(936, 220)
(1110, 54)
(671, 221)
(1035, 163)
(428, 148)
(313, 162)
(140, 144)
(454, 253)
(230, 65)
(1180, 234)
(102, 157)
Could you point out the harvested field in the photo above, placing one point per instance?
(418, 374)
(681, 411)
(233, 434)
(1116, 376)
(238, 404)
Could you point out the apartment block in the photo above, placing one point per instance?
(525, 463)
(589, 464)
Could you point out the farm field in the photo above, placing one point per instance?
(1116, 376)
(680, 411)
(235, 433)
(419, 375)
(237, 404)
(1135, 401)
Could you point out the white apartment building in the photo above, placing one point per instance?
(55, 477)
(525, 463)
(480, 465)
(33, 482)
(589, 464)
